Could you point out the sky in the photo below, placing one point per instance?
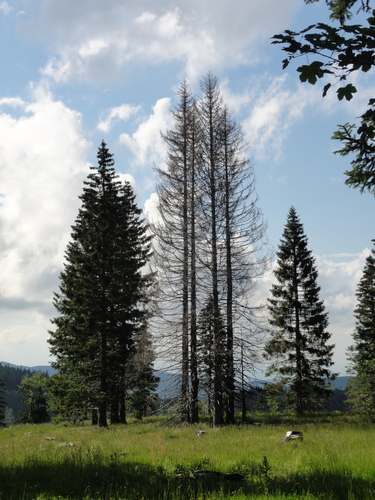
(76, 73)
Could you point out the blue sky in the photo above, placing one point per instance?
(74, 73)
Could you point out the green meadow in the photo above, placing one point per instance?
(156, 459)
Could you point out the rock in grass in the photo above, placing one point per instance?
(292, 435)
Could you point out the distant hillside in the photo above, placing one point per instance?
(341, 382)
(168, 381)
(44, 369)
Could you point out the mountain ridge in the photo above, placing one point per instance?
(339, 383)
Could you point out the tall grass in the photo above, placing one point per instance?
(151, 460)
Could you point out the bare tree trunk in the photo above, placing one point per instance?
(193, 284)
(103, 383)
(185, 392)
(229, 278)
(177, 248)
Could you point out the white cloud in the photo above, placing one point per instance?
(118, 113)
(43, 164)
(13, 102)
(27, 337)
(338, 277)
(95, 40)
(127, 178)
(150, 208)
(145, 143)
(273, 113)
(5, 8)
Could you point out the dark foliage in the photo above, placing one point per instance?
(101, 303)
(34, 393)
(298, 348)
(361, 391)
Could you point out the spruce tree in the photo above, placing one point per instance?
(205, 351)
(101, 299)
(232, 248)
(34, 392)
(2, 402)
(361, 390)
(175, 252)
(298, 348)
(210, 240)
(141, 375)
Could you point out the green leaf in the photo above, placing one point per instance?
(346, 92)
(326, 88)
(311, 72)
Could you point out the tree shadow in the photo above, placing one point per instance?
(121, 478)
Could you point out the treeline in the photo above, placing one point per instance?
(11, 378)
(182, 288)
(27, 399)
(28, 396)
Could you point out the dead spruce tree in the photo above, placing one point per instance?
(208, 241)
(234, 233)
(174, 250)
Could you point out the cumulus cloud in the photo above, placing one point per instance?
(127, 178)
(97, 39)
(338, 277)
(43, 164)
(113, 115)
(146, 143)
(151, 210)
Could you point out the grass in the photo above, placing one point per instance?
(152, 460)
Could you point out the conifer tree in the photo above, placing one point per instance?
(175, 252)
(34, 391)
(2, 402)
(233, 236)
(298, 348)
(142, 379)
(361, 390)
(209, 240)
(101, 300)
(206, 347)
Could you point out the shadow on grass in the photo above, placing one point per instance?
(117, 480)
(332, 485)
(122, 479)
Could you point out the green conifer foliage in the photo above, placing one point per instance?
(2, 402)
(102, 291)
(34, 392)
(141, 374)
(205, 351)
(298, 348)
(362, 353)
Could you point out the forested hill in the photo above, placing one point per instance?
(12, 375)
(27, 369)
(338, 383)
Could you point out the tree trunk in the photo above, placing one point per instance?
(193, 315)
